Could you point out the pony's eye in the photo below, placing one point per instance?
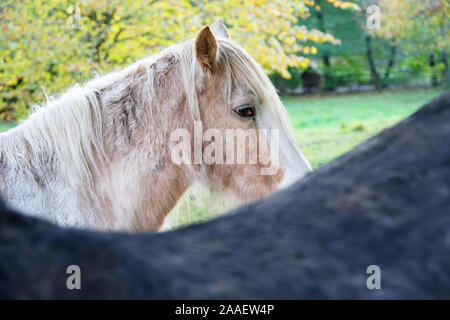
(246, 111)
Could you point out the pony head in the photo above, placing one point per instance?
(241, 140)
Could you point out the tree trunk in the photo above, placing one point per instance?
(373, 68)
(390, 65)
(434, 80)
(446, 68)
(326, 55)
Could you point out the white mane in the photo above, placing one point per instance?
(70, 125)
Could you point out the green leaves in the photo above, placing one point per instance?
(51, 45)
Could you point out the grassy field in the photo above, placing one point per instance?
(324, 128)
(6, 125)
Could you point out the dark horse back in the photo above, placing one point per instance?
(384, 204)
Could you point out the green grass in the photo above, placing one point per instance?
(6, 125)
(324, 128)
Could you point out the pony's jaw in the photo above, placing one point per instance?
(244, 183)
(291, 161)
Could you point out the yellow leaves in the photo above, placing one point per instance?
(12, 81)
(45, 50)
(304, 64)
(344, 4)
(309, 50)
(285, 74)
(423, 21)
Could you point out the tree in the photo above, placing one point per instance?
(52, 44)
(421, 25)
(341, 64)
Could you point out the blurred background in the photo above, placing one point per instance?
(345, 69)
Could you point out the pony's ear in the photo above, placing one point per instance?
(219, 30)
(206, 49)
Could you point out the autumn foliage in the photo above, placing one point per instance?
(48, 46)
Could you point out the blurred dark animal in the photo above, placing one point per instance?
(386, 203)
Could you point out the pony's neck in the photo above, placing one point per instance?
(138, 196)
(140, 184)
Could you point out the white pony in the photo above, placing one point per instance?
(99, 156)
